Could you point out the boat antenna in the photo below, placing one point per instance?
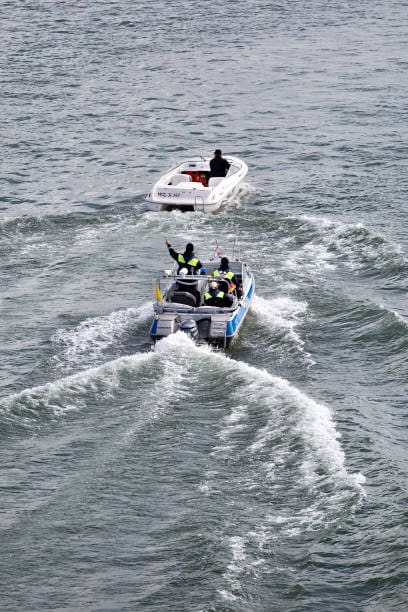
(236, 245)
(217, 251)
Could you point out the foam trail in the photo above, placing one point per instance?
(318, 465)
(289, 418)
(352, 243)
(175, 342)
(316, 426)
(93, 336)
(65, 394)
(242, 192)
(312, 257)
(313, 421)
(235, 567)
(282, 313)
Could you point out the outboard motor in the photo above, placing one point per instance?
(189, 326)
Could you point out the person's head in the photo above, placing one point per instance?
(217, 152)
(224, 263)
(189, 247)
(213, 285)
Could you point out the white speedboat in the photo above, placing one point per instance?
(189, 186)
(181, 306)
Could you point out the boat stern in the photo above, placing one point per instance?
(180, 196)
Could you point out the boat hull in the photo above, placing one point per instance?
(176, 189)
(216, 326)
(157, 206)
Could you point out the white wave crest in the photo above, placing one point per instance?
(398, 317)
(67, 393)
(312, 420)
(283, 313)
(352, 243)
(174, 342)
(93, 336)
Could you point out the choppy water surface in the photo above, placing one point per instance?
(269, 478)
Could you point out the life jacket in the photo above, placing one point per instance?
(228, 276)
(198, 177)
(191, 262)
(209, 296)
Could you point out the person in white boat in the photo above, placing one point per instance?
(225, 272)
(215, 297)
(187, 259)
(218, 165)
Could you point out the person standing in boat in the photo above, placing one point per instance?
(225, 272)
(218, 164)
(185, 260)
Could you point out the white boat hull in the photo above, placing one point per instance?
(189, 187)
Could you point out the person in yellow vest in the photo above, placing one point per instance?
(185, 260)
(224, 272)
(215, 297)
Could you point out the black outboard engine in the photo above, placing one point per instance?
(189, 326)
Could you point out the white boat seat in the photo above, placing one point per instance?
(215, 180)
(180, 178)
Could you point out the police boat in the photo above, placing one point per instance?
(180, 304)
(189, 187)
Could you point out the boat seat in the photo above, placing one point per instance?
(215, 180)
(190, 287)
(188, 282)
(180, 178)
(183, 297)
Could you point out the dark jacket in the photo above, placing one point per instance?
(186, 260)
(218, 166)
